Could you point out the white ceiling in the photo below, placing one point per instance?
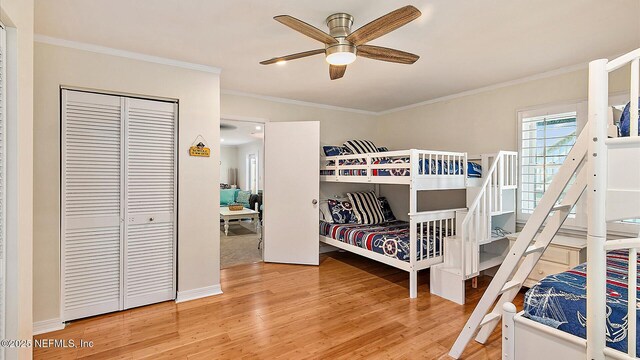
(242, 133)
(463, 44)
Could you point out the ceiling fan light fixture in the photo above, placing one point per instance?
(341, 58)
(341, 54)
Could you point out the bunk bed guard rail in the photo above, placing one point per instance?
(403, 166)
(476, 226)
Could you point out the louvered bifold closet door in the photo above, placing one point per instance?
(150, 233)
(91, 203)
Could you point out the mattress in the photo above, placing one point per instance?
(560, 301)
(390, 238)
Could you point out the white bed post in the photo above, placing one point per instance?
(413, 237)
(596, 202)
(508, 331)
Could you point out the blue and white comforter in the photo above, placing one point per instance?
(560, 301)
(390, 238)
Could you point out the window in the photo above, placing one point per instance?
(545, 137)
(252, 171)
(545, 141)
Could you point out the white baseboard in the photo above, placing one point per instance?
(198, 293)
(324, 248)
(45, 326)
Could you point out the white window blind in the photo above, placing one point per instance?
(546, 141)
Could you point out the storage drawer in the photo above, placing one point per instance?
(556, 255)
(544, 268)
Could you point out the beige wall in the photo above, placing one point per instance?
(228, 160)
(483, 122)
(254, 147)
(198, 95)
(17, 16)
(478, 123)
(335, 126)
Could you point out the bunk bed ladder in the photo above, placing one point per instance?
(528, 248)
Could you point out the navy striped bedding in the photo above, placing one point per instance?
(560, 301)
(390, 238)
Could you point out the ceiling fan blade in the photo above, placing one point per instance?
(306, 29)
(384, 25)
(292, 56)
(337, 71)
(386, 54)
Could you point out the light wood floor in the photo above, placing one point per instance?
(349, 307)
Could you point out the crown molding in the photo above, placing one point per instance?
(211, 69)
(125, 54)
(544, 75)
(296, 102)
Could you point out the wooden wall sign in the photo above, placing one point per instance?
(196, 151)
(200, 150)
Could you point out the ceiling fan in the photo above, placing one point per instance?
(341, 46)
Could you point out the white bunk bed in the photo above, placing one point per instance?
(608, 172)
(421, 170)
(426, 170)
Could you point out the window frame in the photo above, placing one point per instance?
(580, 107)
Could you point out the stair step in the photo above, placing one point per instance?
(490, 240)
(494, 213)
(510, 285)
(562, 208)
(534, 248)
(489, 318)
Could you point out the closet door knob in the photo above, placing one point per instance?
(314, 202)
(150, 219)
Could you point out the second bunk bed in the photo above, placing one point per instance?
(411, 245)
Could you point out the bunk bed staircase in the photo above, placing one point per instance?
(595, 163)
(477, 246)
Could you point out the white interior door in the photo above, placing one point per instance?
(150, 212)
(291, 190)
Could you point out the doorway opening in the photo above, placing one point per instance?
(241, 192)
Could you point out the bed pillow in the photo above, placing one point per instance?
(361, 146)
(625, 120)
(383, 149)
(474, 170)
(325, 213)
(386, 209)
(227, 196)
(341, 212)
(366, 207)
(331, 150)
(243, 198)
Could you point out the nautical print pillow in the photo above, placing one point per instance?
(386, 209)
(342, 212)
(331, 150)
